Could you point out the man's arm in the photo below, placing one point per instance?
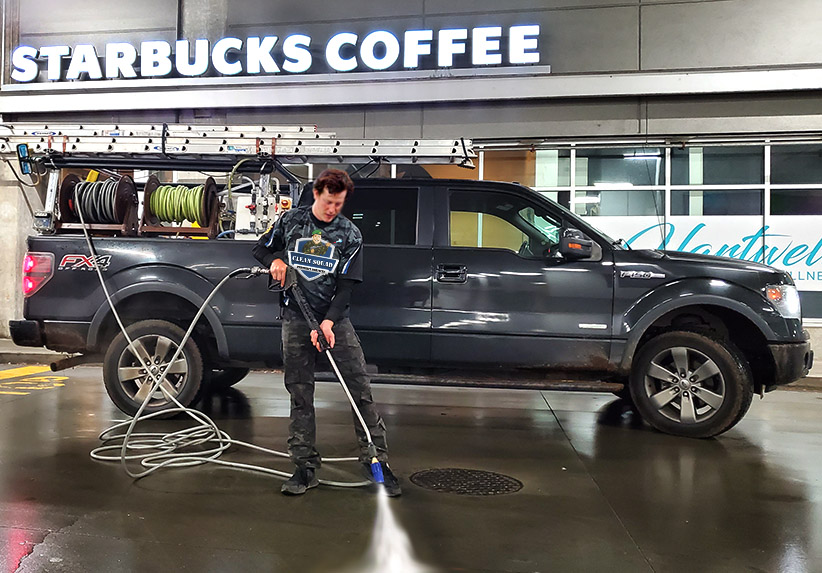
(270, 250)
(341, 300)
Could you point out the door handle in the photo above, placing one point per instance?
(447, 273)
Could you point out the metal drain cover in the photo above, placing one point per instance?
(466, 482)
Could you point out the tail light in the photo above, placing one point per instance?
(38, 268)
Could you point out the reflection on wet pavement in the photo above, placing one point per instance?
(601, 490)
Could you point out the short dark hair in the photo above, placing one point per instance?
(335, 181)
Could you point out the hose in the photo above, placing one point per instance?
(158, 450)
(178, 203)
(96, 201)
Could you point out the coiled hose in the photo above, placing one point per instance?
(178, 203)
(155, 450)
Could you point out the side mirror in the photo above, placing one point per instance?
(574, 245)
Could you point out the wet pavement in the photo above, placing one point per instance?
(601, 491)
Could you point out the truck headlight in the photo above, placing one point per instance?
(786, 300)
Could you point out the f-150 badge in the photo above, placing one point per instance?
(640, 275)
(313, 257)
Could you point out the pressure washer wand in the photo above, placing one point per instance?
(292, 285)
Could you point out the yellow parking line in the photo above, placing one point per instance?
(22, 371)
(15, 393)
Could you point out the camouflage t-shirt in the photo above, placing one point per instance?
(337, 253)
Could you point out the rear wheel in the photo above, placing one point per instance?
(688, 384)
(127, 380)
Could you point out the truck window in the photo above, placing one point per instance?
(384, 216)
(501, 221)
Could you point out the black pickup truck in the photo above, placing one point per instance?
(460, 276)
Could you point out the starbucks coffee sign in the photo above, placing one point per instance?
(379, 50)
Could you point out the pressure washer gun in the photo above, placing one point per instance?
(295, 290)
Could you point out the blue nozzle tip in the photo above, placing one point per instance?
(376, 471)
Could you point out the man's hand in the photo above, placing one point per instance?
(325, 326)
(277, 270)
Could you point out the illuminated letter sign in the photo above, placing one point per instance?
(415, 49)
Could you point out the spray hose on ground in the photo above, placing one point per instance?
(154, 450)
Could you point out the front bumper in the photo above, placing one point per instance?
(791, 362)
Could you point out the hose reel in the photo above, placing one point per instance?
(165, 206)
(108, 206)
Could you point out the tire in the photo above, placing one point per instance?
(714, 394)
(222, 378)
(123, 375)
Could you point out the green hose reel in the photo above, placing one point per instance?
(166, 206)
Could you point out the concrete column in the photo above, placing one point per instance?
(203, 19)
(11, 34)
(16, 220)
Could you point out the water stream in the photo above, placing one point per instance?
(390, 550)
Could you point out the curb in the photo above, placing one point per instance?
(44, 358)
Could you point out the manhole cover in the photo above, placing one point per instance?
(466, 482)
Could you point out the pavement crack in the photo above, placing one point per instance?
(45, 538)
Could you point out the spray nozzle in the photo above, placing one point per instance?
(376, 468)
(376, 471)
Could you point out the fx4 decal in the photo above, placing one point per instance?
(83, 262)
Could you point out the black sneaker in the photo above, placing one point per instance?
(302, 480)
(390, 481)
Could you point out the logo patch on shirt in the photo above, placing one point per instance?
(313, 257)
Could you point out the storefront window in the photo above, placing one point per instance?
(796, 164)
(439, 171)
(696, 202)
(553, 168)
(742, 165)
(796, 201)
(512, 166)
(626, 167)
(620, 202)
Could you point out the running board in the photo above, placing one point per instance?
(487, 381)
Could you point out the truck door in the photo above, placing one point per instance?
(503, 295)
(391, 309)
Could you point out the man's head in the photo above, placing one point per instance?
(316, 236)
(331, 189)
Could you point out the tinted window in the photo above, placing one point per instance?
(629, 166)
(796, 201)
(738, 165)
(501, 221)
(384, 216)
(723, 202)
(796, 164)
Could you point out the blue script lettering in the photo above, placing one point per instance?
(750, 248)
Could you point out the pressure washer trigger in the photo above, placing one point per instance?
(376, 471)
(290, 277)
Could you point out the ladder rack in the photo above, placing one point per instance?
(263, 149)
(163, 143)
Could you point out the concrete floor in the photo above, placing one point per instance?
(601, 491)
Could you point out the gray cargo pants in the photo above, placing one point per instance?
(300, 358)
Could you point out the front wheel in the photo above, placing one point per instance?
(688, 384)
(127, 380)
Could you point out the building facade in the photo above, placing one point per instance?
(692, 125)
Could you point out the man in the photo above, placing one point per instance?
(328, 294)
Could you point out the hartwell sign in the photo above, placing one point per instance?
(294, 54)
